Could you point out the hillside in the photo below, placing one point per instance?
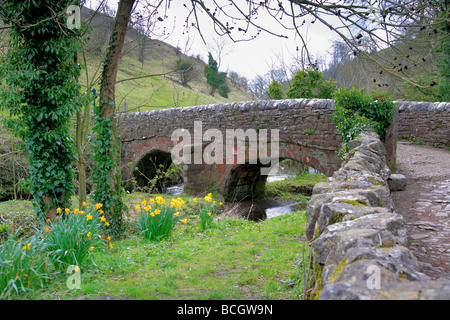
(143, 57)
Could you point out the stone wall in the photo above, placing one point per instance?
(358, 242)
(426, 122)
(306, 134)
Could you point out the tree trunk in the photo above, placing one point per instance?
(109, 194)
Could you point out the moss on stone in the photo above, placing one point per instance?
(356, 202)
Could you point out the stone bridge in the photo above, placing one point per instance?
(305, 130)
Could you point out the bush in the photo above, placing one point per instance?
(356, 111)
(310, 84)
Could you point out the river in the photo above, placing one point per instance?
(259, 209)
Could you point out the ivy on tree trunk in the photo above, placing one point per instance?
(40, 93)
(106, 176)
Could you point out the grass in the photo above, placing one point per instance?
(236, 259)
(298, 188)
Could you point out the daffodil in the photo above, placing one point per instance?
(184, 220)
(195, 200)
(107, 224)
(76, 211)
(144, 202)
(84, 204)
(58, 210)
(110, 245)
(137, 208)
(47, 229)
(82, 212)
(88, 217)
(89, 235)
(157, 211)
(220, 203)
(176, 214)
(67, 210)
(147, 208)
(98, 206)
(151, 201)
(108, 238)
(152, 214)
(209, 214)
(91, 248)
(160, 200)
(102, 219)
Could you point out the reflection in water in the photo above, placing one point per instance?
(262, 209)
(259, 209)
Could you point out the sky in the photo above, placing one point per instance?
(247, 58)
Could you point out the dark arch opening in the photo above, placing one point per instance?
(246, 182)
(148, 167)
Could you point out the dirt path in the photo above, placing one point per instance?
(425, 205)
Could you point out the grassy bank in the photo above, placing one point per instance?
(235, 259)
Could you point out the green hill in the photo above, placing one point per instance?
(136, 89)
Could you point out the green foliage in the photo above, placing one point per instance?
(72, 237)
(106, 176)
(156, 220)
(275, 90)
(217, 80)
(356, 111)
(207, 212)
(310, 84)
(39, 73)
(23, 266)
(443, 89)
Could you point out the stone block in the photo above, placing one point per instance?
(397, 182)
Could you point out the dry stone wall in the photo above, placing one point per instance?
(358, 242)
(426, 122)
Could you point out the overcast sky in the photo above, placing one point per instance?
(248, 58)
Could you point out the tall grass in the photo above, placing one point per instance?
(23, 266)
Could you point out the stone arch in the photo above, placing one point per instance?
(146, 167)
(245, 181)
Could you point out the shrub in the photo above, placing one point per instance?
(310, 84)
(156, 220)
(356, 111)
(72, 237)
(275, 90)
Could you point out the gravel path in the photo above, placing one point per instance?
(425, 205)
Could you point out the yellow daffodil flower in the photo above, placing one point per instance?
(88, 217)
(98, 206)
(84, 204)
(58, 210)
(137, 208)
(184, 220)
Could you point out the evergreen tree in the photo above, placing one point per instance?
(216, 80)
(275, 90)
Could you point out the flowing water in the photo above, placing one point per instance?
(259, 209)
